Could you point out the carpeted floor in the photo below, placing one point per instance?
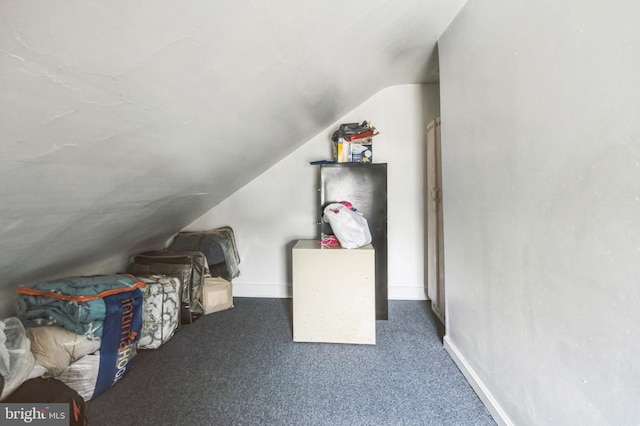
(241, 367)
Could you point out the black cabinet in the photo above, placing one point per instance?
(365, 186)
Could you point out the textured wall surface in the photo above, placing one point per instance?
(541, 170)
(123, 122)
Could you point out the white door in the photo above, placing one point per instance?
(435, 240)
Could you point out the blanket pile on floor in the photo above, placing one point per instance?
(83, 331)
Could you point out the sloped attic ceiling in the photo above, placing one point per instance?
(122, 122)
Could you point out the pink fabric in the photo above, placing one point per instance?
(330, 240)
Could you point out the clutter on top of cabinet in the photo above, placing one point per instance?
(353, 142)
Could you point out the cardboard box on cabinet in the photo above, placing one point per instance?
(355, 151)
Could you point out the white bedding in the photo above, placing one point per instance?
(55, 348)
(82, 375)
(161, 310)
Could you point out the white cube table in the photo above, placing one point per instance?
(333, 294)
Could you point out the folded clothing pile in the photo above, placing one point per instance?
(76, 303)
(84, 331)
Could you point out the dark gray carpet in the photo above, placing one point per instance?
(241, 367)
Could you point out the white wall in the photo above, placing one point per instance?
(541, 180)
(282, 205)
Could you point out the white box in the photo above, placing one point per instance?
(217, 295)
(333, 294)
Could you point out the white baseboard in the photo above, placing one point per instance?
(406, 293)
(282, 291)
(275, 291)
(487, 398)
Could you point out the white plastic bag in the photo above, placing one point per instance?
(350, 227)
(16, 359)
(82, 375)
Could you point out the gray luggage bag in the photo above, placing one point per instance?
(219, 247)
(190, 267)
